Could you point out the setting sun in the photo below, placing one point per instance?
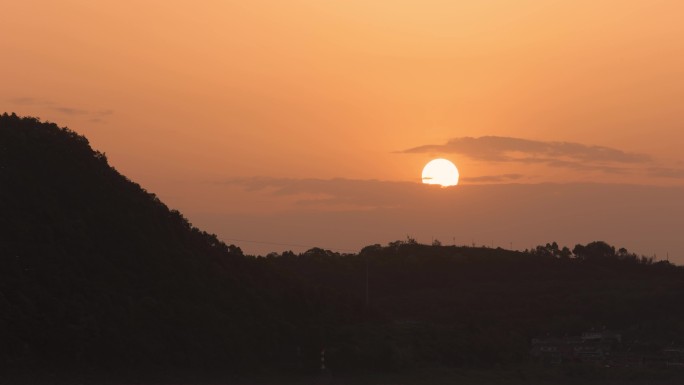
(440, 171)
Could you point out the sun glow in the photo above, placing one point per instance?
(441, 172)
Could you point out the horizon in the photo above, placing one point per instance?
(291, 116)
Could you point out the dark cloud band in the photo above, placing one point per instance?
(554, 154)
(568, 155)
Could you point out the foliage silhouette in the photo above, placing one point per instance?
(99, 276)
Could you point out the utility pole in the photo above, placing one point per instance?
(367, 273)
(323, 360)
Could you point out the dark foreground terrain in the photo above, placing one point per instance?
(101, 282)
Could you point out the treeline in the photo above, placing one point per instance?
(594, 251)
(473, 307)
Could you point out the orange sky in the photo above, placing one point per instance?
(187, 97)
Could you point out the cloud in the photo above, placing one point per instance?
(71, 111)
(100, 116)
(341, 193)
(586, 166)
(666, 172)
(29, 101)
(492, 178)
(350, 193)
(95, 116)
(553, 154)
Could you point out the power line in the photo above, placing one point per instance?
(286, 244)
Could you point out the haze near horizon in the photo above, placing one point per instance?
(306, 124)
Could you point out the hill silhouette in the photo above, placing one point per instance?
(99, 276)
(99, 279)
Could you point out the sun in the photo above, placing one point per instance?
(441, 172)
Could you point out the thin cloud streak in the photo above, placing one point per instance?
(95, 116)
(28, 101)
(334, 192)
(667, 172)
(492, 178)
(70, 111)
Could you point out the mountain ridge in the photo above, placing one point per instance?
(105, 276)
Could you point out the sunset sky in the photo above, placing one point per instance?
(307, 123)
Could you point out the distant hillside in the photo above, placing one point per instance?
(480, 307)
